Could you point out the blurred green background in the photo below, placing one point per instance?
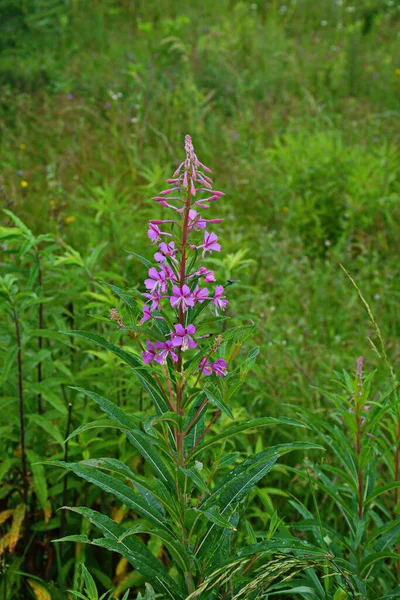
(296, 106)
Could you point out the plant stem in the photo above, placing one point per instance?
(397, 465)
(64, 500)
(25, 482)
(182, 277)
(40, 321)
(359, 471)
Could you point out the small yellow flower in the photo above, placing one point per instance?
(22, 146)
(397, 72)
(24, 183)
(52, 203)
(69, 220)
(285, 209)
(76, 177)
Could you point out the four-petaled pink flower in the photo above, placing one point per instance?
(200, 294)
(208, 275)
(209, 244)
(149, 354)
(219, 367)
(169, 273)
(219, 299)
(205, 366)
(181, 297)
(154, 233)
(165, 250)
(156, 281)
(182, 337)
(155, 298)
(166, 349)
(195, 221)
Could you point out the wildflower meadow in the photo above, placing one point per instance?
(199, 281)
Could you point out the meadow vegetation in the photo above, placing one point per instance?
(294, 104)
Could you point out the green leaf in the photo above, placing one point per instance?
(97, 424)
(238, 482)
(143, 443)
(8, 362)
(126, 298)
(140, 483)
(90, 586)
(48, 427)
(50, 396)
(143, 260)
(218, 402)
(193, 476)
(281, 545)
(135, 552)
(381, 490)
(39, 482)
(137, 366)
(176, 549)
(214, 515)
(376, 557)
(6, 466)
(20, 224)
(120, 490)
(253, 424)
(8, 233)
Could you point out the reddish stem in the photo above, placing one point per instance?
(182, 277)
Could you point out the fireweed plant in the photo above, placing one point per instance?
(191, 490)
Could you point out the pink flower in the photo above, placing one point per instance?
(146, 315)
(195, 221)
(209, 243)
(154, 233)
(200, 294)
(168, 272)
(181, 297)
(166, 350)
(165, 250)
(157, 280)
(219, 299)
(155, 298)
(205, 367)
(182, 337)
(149, 354)
(208, 275)
(219, 367)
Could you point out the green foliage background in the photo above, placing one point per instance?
(295, 104)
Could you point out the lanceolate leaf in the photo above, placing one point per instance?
(253, 424)
(40, 483)
(120, 490)
(218, 402)
(214, 515)
(15, 531)
(141, 372)
(126, 298)
(239, 487)
(238, 482)
(48, 427)
(140, 440)
(135, 552)
(174, 546)
(140, 483)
